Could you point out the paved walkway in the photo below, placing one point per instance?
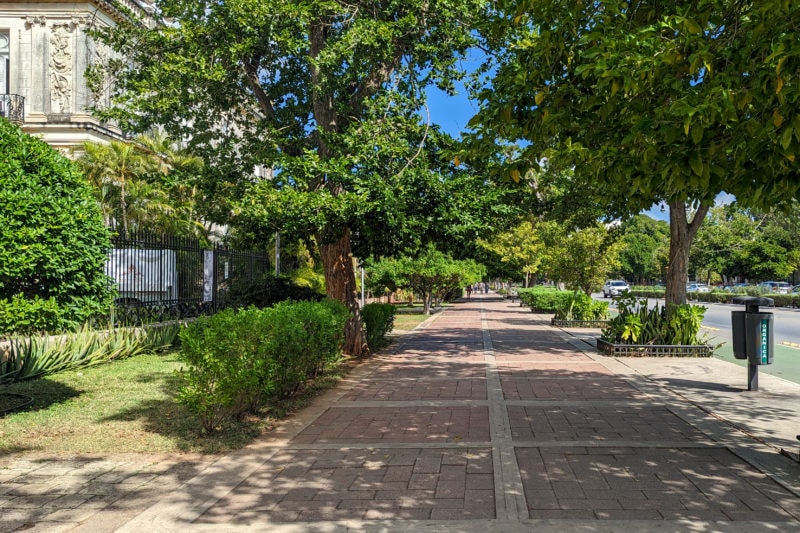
(485, 417)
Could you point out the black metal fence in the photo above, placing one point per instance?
(160, 277)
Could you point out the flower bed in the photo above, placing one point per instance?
(654, 350)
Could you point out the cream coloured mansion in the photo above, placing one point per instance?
(44, 53)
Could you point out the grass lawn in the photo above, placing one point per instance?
(124, 406)
(407, 322)
(130, 406)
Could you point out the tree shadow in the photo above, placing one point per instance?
(43, 391)
(168, 418)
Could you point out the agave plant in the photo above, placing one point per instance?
(32, 357)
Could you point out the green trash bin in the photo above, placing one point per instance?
(760, 338)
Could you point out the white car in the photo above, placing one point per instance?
(697, 287)
(779, 287)
(614, 287)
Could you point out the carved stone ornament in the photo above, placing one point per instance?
(60, 69)
(33, 21)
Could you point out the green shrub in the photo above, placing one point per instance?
(52, 237)
(644, 291)
(581, 306)
(267, 291)
(228, 372)
(29, 316)
(305, 337)
(239, 360)
(378, 321)
(544, 299)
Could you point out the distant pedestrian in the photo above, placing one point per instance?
(469, 291)
(485, 288)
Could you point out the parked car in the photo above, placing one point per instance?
(614, 287)
(697, 287)
(778, 287)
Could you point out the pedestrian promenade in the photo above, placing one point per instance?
(484, 418)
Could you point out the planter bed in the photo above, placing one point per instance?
(597, 324)
(653, 350)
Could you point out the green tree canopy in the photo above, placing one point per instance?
(146, 185)
(741, 244)
(432, 274)
(644, 247)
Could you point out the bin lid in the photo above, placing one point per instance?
(753, 300)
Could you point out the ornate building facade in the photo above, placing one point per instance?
(44, 53)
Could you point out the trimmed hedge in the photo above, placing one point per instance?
(719, 297)
(543, 299)
(565, 305)
(378, 321)
(241, 360)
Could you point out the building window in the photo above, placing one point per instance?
(4, 60)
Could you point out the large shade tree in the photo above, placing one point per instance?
(288, 85)
(652, 101)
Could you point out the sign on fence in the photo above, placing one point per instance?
(144, 274)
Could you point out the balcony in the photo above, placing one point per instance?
(12, 108)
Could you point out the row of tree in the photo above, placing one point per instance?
(733, 245)
(434, 275)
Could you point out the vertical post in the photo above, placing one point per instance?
(752, 377)
(277, 254)
(362, 287)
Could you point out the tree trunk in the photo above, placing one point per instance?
(427, 297)
(340, 284)
(681, 234)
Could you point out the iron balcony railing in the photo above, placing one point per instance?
(12, 108)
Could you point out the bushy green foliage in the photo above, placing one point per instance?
(544, 299)
(30, 315)
(305, 337)
(644, 291)
(565, 305)
(580, 306)
(637, 323)
(434, 275)
(268, 291)
(52, 236)
(228, 374)
(378, 321)
(239, 360)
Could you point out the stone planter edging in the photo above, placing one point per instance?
(653, 350)
(579, 323)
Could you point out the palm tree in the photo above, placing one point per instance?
(111, 169)
(147, 185)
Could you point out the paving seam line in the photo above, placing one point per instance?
(509, 491)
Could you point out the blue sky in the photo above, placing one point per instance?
(451, 112)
